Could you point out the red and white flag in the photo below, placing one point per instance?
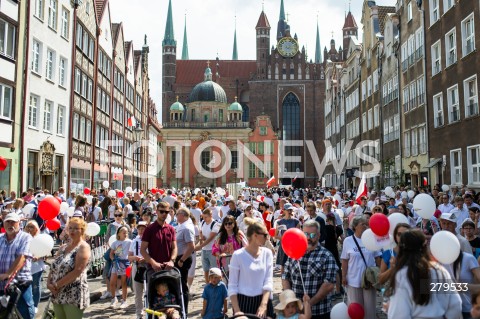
(132, 121)
(294, 179)
(425, 181)
(362, 190)
(271, 181)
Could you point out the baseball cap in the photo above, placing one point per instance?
(12, 217)
(229, 198)
(215, 272)
(194, 202)
(77, 213)
(142, 223)
(287, 206)
(451, 217)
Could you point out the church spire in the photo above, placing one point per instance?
(235, 52)
(185, 43)
(169, 38)
(318, 54)
(283, 28)
(282, 12)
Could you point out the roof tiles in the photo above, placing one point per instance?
(191, 72)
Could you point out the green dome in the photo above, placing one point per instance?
(235, 106)
(177, 106)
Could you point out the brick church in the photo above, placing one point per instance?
(279, 96)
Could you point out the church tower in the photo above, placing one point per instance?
(350, 29)
(169, 55)
(263, 43)
(283, 29)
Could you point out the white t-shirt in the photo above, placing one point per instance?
(96, 212)
(356, 265)
(121, 248)
(225, 209)
(216, 213)
(269, 201)
(205, 229)
(128, 209)
(197, 213)
(111, 211)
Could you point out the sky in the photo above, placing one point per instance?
(211, 26)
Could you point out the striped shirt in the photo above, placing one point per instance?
(10, 250)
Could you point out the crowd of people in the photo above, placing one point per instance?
(238, 238)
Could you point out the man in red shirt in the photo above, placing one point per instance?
(159, 245)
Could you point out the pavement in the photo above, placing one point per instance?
(99, 309)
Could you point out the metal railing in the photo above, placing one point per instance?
(206, 125)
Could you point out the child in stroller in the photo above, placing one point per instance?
(163, 299)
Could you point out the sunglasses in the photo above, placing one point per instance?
(163, 211)
(310, 235)
(118, 215)
(264, 234)
(229, 224)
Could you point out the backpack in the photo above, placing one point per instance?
(211, 225)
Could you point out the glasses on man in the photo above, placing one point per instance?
(163, 211)
(310, 235)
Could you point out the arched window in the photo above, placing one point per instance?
(291, 127)
(246, 113)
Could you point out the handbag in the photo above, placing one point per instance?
(140, 273)
(370, 274)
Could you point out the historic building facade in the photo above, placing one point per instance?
(280, 95)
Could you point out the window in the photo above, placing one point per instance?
(76, 123)
(456, 166)
(81, 135)
(406, 99)
(90, 90)
(438, 110)
(38, 10)
(409, 11)
(60, 120)
(47, 116)
(422, 139)
(375, 81)
(421, 90)
(6, 93)
(88, 133)
(369, 85)
(434, 11)
(370, 119)
(414, 144)
(447, 4)
(36, 49)
(78, 81)
(79, 35)
(62, 72)
(65, 23)
(33, 111)
(406, 143)
(419, 43)
(471, 96)
(364, 90)
(263, 130)
(364, 122)
(32, 169)
(52, 14)
(451, 47)
(473, 164)
(453, 108)
(468, 35)
(436, 57)
(234, 163)
(376, 116)
(50, 65)
(404, 57)
(413, 95)
(7, 39)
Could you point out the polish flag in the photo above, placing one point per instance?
(132, 121)
(362, 190)
(294, 179)
(271, 181)
(425, 181)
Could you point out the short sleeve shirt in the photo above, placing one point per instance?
(10, 250)
(160, 239)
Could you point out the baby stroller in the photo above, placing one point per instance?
(8, 301)
(172, 278)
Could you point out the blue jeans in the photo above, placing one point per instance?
(36, 287)
(25, 303)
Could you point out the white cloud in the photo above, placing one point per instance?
(211, 23)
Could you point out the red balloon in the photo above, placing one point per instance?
(161, 191)
(128, 271)
(3, 164)
(379, 224)
(59, 200)
(272, 232)
(356, 311)
(53, 224)
(86, 191)
(120, 194)
(294, 243)
(154, 190)
(48, 208)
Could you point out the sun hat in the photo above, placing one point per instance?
(287, 296)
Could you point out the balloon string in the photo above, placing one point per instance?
(301, 277)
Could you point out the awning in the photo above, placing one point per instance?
(433, 162)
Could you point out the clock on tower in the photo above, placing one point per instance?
(287, 47)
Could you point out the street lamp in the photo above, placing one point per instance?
(138, 136)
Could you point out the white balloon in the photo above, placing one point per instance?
(275, 197)
(404, 194)
(106, 184)
(369, 240)
(339, 311)
(70, 211)
(89, 198)
(63, 207)
(388, 190)
(411, 194)
(395, 219)
(388, 244)
(41, 245)
(195, 191)
(168, 220)
(220, 191)
(27, 210)
(337, 198)
(424, 206)
(112, 193)
(445, 188)
(445, 247)
(128, 189)
(349, 194)
(93, 229)
(112, 239)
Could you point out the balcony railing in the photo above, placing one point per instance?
(411, 59)
(474, 177)
(419, 53)
(472, 109)
(206, 125)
